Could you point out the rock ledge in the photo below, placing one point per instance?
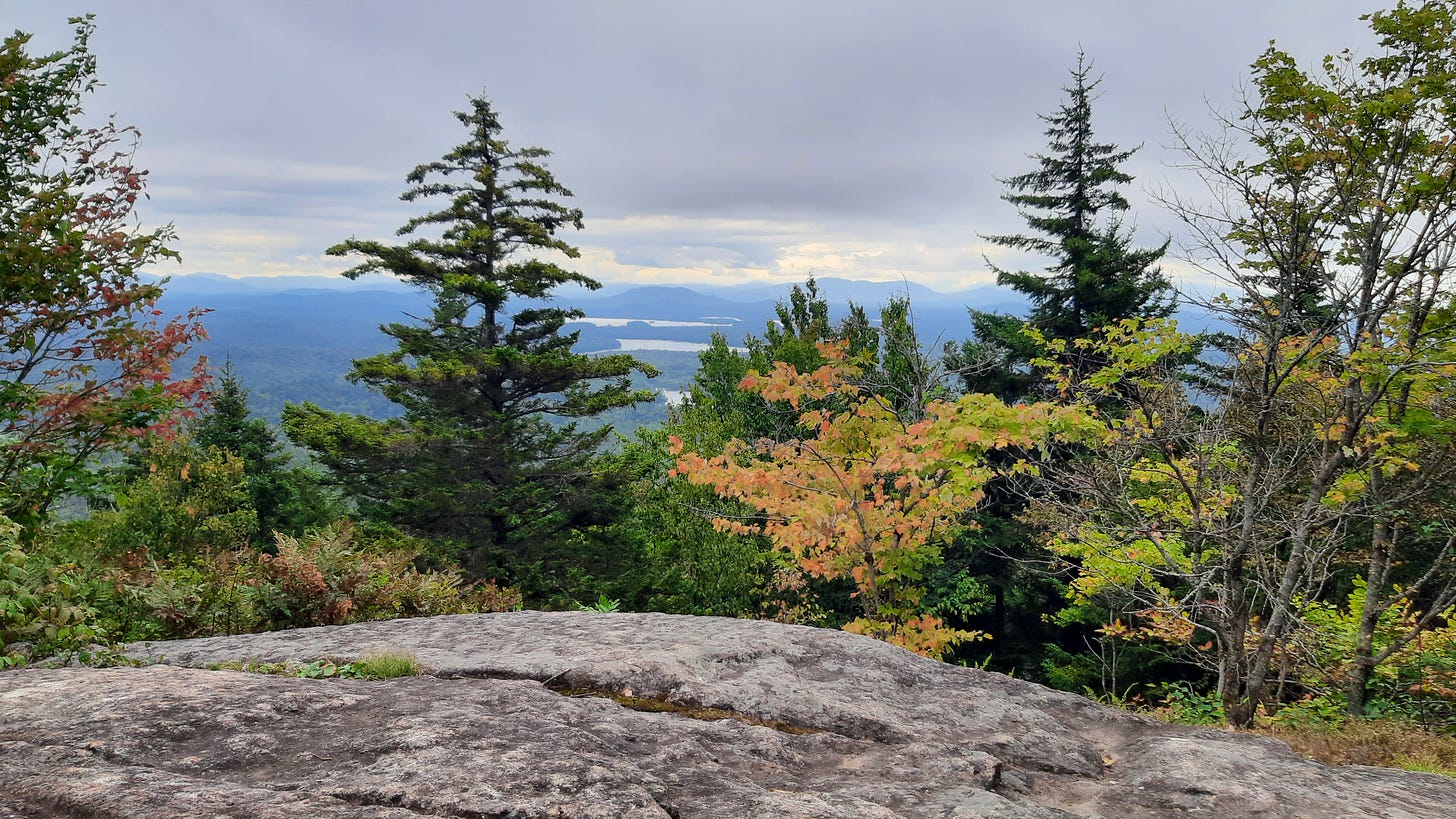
(748, 719)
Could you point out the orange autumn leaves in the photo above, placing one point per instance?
(864, 494)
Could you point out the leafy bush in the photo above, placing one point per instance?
(195, 597)
(1066, 671)
(61, 593)
(604, 605)
(311, 582)
(43, 603)
(323, 579)
(189, 502)
(1313, 710)
(1420, 684)
(1182, 704)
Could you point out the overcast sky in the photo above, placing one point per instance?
(707, 142)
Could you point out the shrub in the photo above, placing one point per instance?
(195, 597)
(311, 581)
(43, 602)
(1313, 710)
(323, 579)
(60, 593)
(189, 502)
(1182, 704)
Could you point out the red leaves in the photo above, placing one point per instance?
(79, 329)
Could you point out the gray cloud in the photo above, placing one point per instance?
(851, 120)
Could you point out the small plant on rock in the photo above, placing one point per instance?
(386, 666)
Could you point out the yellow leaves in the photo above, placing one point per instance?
(926, 635)
(1168, 625)
(1348, 487)
(1120, 561)
(864, 495)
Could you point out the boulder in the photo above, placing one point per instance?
(578, 714)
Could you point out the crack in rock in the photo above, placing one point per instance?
(657, 705)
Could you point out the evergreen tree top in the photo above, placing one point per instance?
(1075, 181)
(1072, 204)
(488, 452)
(502, 204)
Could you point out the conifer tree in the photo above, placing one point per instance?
(1072, 204)
(488, 452)
(288, 499)
(1093, 277)
(228, 426)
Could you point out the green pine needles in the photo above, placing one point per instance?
(1094, 276)
(488, 453)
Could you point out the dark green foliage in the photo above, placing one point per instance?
(287, 499)
(687, 566)
(1094, 277)
(487, 453)
(893, 362)
(694, 568)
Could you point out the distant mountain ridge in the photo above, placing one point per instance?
(292, 339)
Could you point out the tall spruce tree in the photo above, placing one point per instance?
(488, 453)
(1094, 277)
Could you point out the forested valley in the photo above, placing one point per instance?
(1253, 526)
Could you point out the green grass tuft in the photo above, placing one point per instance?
(385, 666)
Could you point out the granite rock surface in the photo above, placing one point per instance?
(577, 714)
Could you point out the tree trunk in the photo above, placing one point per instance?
(1357, 688)
(1231, 675)
(1362, 664)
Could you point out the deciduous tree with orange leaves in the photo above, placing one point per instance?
(864, 494)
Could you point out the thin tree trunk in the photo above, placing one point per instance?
(1363, 663)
